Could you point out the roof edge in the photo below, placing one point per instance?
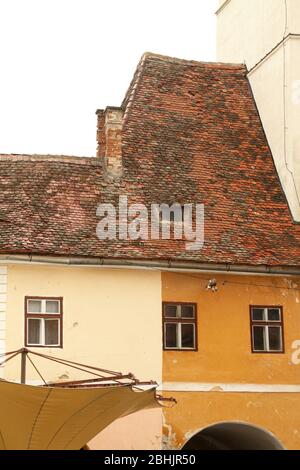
(161, 265)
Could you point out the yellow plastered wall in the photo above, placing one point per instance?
(224, 342)
(275, 413)
(224, 358)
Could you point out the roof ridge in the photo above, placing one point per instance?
(131, 91)
(48, 158)
(165, 58)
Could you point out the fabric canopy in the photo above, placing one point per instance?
(41, 418)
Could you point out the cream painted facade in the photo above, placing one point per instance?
(265, 35)
(3, 303)
(111, 319)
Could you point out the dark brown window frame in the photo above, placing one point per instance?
(58, 316)
(194, 321)
(267, 323)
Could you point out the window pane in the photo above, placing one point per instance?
(52, 306)
(275, 343)
(259, 338)
(170, 311)
(34, 306)
(51, 332)
(171, 335)
(258, 314)
(187, 311)
(187, 335)
(274, 314)
(34, 331)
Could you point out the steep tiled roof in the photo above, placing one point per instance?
(191, 134)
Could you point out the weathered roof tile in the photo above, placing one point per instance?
(191, 133)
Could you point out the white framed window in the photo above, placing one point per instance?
(266, 329)
(43, 322)
(180, 326)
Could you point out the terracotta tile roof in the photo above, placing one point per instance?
(191, 134)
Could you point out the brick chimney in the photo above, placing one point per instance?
(109, 141)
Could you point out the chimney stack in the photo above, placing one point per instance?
(109, 141)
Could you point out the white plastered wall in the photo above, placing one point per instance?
(265, 35)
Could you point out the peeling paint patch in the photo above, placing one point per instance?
(254, 404)
(296, 354)
(169, 437)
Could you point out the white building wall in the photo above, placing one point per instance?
(265, 35)
(3, 300)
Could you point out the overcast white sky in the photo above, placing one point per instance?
(63, 59)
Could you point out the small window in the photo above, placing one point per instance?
(267, 329)
(43, 322)
(180, 326)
